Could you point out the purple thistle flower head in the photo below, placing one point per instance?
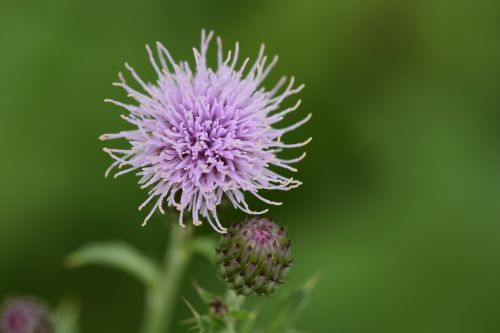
(24, 315)
(206, 134)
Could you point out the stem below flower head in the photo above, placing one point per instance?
(161, 296)
(235, 302)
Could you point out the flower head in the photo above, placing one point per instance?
(254, 257)
(24, 315)
(206, 134)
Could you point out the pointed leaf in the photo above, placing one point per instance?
(248, 325)
(65, 317)
(291, 307)
(204, 294)
(116, 255)
(199, 323)
(241, 315)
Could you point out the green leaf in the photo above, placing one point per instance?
(116, 255)
(66, 317)
(291, 307)
(248, 325)
(197, 320)
(204, 294)
(242, 315)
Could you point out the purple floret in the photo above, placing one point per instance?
(24, 315)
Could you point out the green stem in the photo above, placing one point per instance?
(161, 297)
(235, 302)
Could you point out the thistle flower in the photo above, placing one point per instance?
(254, 256)
(206, 134)
(24, 315)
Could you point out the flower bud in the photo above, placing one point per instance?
(254, 256)
(218, 307)
(25, 315)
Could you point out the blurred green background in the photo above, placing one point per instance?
(400, 206)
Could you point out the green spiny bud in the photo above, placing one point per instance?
(254, 256)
